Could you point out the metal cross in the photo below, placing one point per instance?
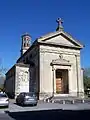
(59, 21)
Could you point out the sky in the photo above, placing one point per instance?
(38, 17)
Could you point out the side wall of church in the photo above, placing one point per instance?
(10, 83)
(33, 55)
(34, 71)
(47, 54)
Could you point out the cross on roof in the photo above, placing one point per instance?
(59, 21)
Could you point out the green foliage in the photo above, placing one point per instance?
(86, 78)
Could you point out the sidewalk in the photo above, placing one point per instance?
(12, 100)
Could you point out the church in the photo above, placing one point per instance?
(49, 67)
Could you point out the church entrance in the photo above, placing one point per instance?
(62, 81)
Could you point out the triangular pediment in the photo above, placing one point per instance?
(60, 38)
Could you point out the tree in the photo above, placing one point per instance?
(2, 77)
(86, 78)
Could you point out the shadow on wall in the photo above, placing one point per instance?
(10, 95)
(51, 115)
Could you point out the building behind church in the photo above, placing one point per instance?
(50, 66)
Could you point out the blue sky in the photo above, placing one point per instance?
(38, 17)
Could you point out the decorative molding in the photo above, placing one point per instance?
(61, 56)
(53, 68)
(58, 52)
(69, 69)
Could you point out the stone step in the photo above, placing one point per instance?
(73, 101)
(68, 100)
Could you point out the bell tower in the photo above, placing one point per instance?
(26, 40)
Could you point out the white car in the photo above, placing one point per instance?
(4, 100)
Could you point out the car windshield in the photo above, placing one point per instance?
(30, 94)
(3, 95)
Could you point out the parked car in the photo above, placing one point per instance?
(4, 100)
(27, 98)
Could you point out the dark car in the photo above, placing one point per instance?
(27, 98)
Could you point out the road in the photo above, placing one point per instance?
(47, 115)
(13, 107)
(45, 111)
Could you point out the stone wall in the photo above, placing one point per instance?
(34, 71)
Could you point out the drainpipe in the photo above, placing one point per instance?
(77, 75)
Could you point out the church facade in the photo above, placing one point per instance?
(53, 66)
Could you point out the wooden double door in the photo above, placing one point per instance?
(59, 85)
(61, 81)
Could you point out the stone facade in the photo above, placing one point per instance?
(47, 54)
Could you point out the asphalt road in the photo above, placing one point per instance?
(47, 115)
(47, 106)
(45, 111)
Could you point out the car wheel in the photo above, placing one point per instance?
(22, 104)
(17, 102)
